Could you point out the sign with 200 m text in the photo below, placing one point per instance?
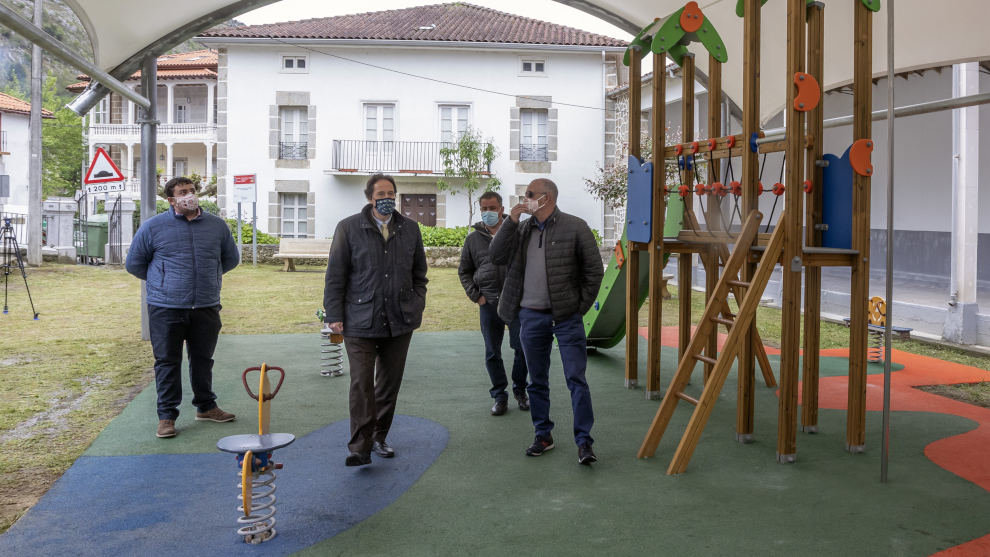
(105, 187)
(245, 188)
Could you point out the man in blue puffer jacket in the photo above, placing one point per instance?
(182, 255)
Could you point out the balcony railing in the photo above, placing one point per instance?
(3, 141)
(532, 152)
(292, 150)
(173, 130)
(406, 157)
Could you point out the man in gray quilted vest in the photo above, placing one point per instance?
(181, 255)
(553, 277)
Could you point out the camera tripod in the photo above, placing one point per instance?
(8, 246)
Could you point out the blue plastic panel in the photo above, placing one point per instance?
(837, 178)
(639, 201)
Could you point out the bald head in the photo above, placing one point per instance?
(545, 185)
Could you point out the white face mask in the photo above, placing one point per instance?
(188, 203)
(534, 205)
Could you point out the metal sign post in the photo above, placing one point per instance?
(245, 190)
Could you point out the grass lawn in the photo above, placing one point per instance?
(68, 374)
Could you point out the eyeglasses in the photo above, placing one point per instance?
(532, 194)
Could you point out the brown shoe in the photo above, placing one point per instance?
(215, 415)
(166, 428)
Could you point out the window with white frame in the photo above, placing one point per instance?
(453, 122)
(101, 112)
(181, 114)
(293, 215)
(294, 64)
(533, 139)
(532, 66)
(379, 122)
(293, 132)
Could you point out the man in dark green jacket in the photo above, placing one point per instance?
(552, 280)
(482, 281)
(374, 295)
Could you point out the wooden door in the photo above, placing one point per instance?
(420, 208)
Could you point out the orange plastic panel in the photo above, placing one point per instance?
(691, 17)
(809, 93)
(620, 257)
(859, 157)
(877, 311)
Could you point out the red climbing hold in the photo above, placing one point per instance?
(711, 144)
(736, 187)
(694, 147)
(778, 189)
(684, 190)
(807, 186)
(720, 189)
(700, 189)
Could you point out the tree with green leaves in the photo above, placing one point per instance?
(467, 167)
(63, 152)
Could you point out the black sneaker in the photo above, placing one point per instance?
(540, 445)
(585, 455)
(501, 405)
(523, 401)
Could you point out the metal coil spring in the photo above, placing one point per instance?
(874, 353)
(331, 356)
(259, 526)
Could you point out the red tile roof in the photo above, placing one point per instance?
(198, 64)
(458, 22)
(17, 106)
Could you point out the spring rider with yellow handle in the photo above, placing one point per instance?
(254, 458)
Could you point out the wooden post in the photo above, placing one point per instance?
(860, 280)
(713, 215)
(684, 259)
(792, 258)
(813, 236)
(750, 202)
(659, 210)
(632, 258)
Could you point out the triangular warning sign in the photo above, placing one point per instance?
(102, 169)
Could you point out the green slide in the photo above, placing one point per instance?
(605, 322)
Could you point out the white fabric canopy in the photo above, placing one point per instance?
(927, 34)
(122, 31)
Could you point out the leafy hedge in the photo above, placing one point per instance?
(435, 236)
(246, 233)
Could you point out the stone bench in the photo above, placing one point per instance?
(290, 249)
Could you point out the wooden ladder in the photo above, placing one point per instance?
(722, 257)
(716, 313)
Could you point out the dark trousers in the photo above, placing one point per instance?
(493, 330)
(376, 366)
(537, 330)
(169, 329)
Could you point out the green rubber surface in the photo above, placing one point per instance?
(482, 496)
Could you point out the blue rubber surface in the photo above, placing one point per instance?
(186, 504)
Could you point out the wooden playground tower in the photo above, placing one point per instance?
(795, 243)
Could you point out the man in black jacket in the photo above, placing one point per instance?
(482, 282)
(375, 294)
(553, 277)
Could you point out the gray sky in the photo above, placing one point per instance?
(547, 10)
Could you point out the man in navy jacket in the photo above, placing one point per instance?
(182, 255)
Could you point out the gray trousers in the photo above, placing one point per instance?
(376, 367)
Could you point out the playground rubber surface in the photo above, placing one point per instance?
(460, 483)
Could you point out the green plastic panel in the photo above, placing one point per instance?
(643, 39)
(605, 322)
(872, 5)
(712, 41)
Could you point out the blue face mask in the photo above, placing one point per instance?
(490, 218)
(385, 206)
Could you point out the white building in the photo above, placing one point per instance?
(15, 154)
(187, 134)
(314, 107)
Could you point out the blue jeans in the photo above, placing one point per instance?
(536, 332)
(169, 329)
(493, 329)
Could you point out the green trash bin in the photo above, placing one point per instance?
(97, 233)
